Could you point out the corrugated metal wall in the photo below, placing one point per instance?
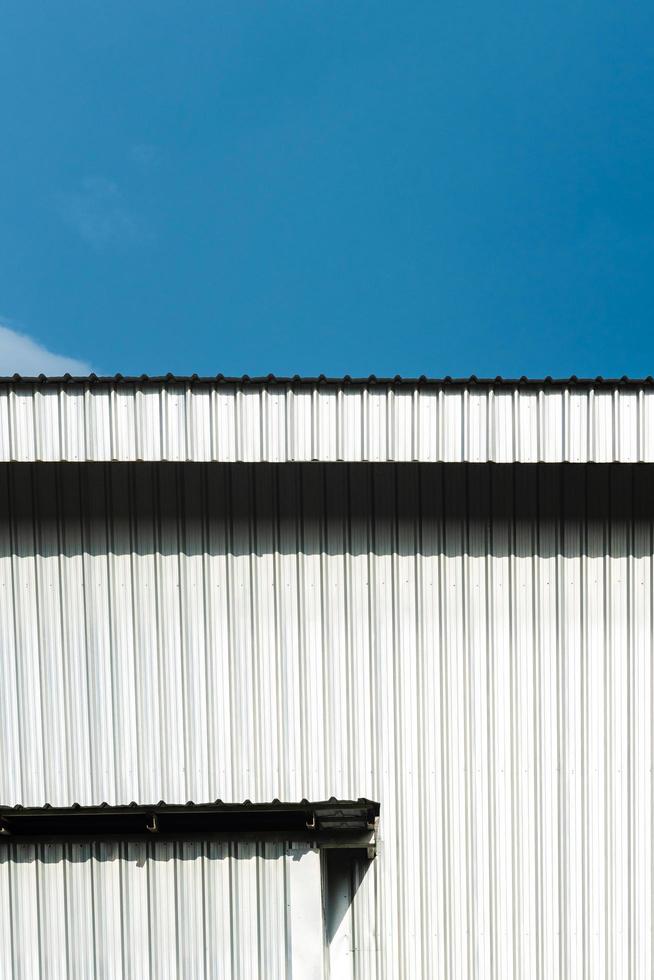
(360, 423)
(145, 910)
(470, 645)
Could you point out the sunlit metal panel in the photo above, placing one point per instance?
(144, 910)
(470, 645)
(275, 421)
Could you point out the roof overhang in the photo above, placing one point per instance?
(330, 823)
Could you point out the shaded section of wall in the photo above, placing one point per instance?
(343, 874)
(471, 646)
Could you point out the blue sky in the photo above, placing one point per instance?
(312, 187)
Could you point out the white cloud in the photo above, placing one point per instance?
(99, 214)
(20, 354)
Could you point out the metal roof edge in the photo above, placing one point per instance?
(244, 380)
(325, 823)
(217, 805)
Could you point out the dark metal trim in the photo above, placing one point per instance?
(297, 381)
(330, 822)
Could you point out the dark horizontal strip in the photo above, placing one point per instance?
(299, 381)
(333, 817)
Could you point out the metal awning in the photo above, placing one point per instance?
(327, 823)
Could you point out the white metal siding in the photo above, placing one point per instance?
(188, 911)
(470, 645)
(280, 423)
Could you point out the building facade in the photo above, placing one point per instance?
(432, 596)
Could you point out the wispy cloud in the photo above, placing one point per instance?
(99, 214)
(19, 354)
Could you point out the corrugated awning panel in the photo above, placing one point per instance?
(348, 822)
